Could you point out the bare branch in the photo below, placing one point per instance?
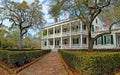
(108, 32)
(25, 32)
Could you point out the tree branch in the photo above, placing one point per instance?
(25, 32)
(108, 32)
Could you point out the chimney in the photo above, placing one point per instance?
(108, 23)
(56, 19)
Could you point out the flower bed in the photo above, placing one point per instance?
(92, 63)
(19, 58)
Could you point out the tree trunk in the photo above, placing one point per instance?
(90, 42)
(20, 40)
(56, 19)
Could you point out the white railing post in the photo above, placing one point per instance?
(70, 36)
(61, 35)
(81, 41)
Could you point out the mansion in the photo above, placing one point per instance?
(72, 34)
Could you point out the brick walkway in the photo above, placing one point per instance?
(48, 65)
(3, 72)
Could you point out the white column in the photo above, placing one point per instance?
(42, 40)
(53, 32)
(70, 36)
(53, 42)
(80, 25)
(81, 41)
(70, 28)
(114, 40)
(61, 36)
(53, 37)
(47, 39)
(61, 42)
(70, 42)
(61, 30)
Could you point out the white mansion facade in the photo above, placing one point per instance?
(72, 34)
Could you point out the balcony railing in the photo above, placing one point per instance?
(50, 36)
(66, 33)
(44, 36)
(57, 34)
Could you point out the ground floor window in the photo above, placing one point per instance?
(45, 43)
(57, 42)
(109, 39)
(99, 40)
(75, 40)
(119, 40)
(84, 40)
(51, 42)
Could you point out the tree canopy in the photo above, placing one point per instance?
(86, 11)
(23, 15)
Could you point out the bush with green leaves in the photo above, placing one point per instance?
(92, 63)
(19, 58)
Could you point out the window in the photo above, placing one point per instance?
(109, 39)
(76, 41)
(45, 43)
(92, 28)
(50, 32)
(96, 28)
(84, 27)
(65, 30)
(84, 40)
(45, 32)
(118, 39)
(57, 31)
(77, 27)
(99, 40)
(51, 42)
(56, 42)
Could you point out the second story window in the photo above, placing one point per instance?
(45, 43)
(84, 27)
(64, 29)
(44, 32)
(51, 42)
(96, 21)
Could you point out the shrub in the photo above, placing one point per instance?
(92, 63)
(18, 58)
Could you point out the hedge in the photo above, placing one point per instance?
(19, 58)
(92, 63)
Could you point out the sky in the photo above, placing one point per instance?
(44, 10)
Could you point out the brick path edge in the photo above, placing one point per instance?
(70, 72)
(28, 64)
(15, 71)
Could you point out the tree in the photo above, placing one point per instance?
(3, 34)
(87, 11)
(54, 5)
(23, 16)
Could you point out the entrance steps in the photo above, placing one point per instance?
(54, 50)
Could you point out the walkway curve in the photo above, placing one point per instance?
(49, 64)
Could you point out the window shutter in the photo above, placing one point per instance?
(102, 40)
(96, 41)
(111, 39)
(105, 40)
(92, 28)
(96, 21)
